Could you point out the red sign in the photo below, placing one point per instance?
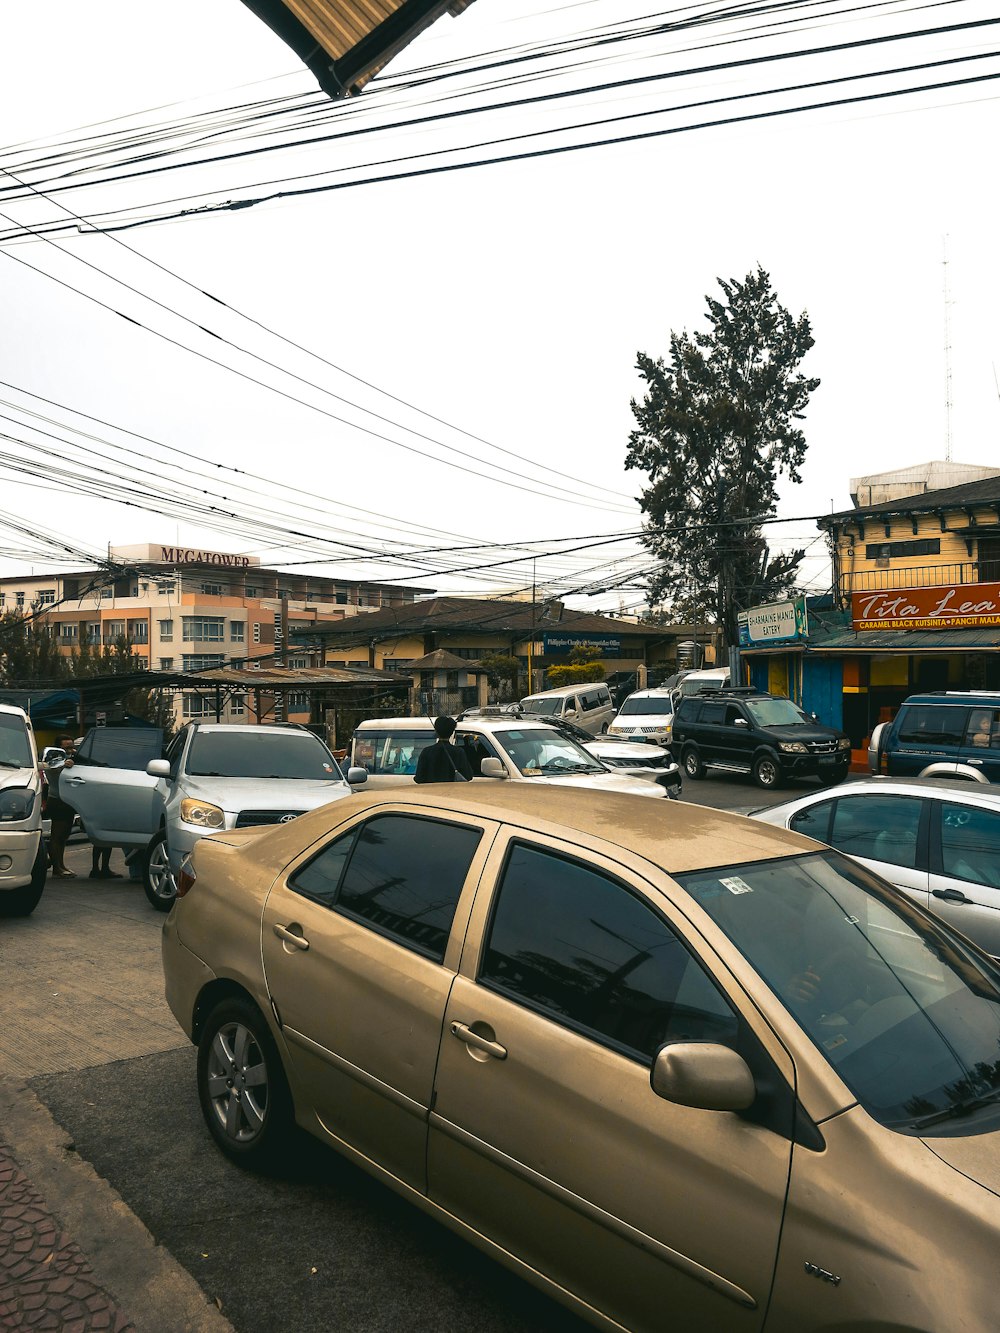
(952, 606)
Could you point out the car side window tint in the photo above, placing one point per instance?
(970, 843)
(320, 878)
(713, 713)
(931, 724)
(983, 731)
(583, 950)
(814, 821)
(733, 711)
(882, 828)
(403, 878)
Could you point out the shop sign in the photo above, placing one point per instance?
(953, 606)
(778, 622)
(557, 645)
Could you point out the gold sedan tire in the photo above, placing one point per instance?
(241, 1083)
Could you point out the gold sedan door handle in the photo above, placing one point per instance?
(478, 1043)
(290, 937)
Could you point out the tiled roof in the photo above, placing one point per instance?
(481, 616)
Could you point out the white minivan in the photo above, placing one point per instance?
(22, 851)
(587, 706)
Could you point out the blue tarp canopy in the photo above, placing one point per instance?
(48, 709)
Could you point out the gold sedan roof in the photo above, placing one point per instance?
(673, 835)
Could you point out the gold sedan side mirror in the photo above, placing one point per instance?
(703, 1075)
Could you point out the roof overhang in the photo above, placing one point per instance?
(345, 42)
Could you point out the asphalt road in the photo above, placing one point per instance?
(312, 1246)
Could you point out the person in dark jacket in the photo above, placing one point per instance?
(442, 761)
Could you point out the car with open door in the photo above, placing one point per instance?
(131, 793)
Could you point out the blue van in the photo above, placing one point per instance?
(946, 733)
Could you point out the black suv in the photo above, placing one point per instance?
(749, 731)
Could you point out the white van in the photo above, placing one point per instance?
(696, 682)
(646, 715)
(22, 852)
(587, 706)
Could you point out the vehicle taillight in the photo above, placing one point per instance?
(185, 877)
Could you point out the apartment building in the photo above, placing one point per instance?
(186, 609)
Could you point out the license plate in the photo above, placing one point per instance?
(828, 759)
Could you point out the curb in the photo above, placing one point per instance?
(95, 1249)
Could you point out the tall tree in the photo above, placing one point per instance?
(715, 431)
(29, 654)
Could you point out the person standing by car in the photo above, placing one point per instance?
(442, 761)
(58, 811)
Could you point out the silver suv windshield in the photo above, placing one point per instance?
(775, 713)
(907, 1015)
(15, 751)
(254, 752)
(545, 752)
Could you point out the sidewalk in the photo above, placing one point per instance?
(73, 1256)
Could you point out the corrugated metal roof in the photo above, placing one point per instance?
(346, 42)
(910, 641)
(986, 491)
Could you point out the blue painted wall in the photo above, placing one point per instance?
(822, 685)
(823, 689)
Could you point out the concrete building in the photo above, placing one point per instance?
(187, 610)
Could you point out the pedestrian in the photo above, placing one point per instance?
(442, 761)
(58, 811)
(100, 862)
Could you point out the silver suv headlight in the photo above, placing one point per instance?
(201, 814)
(844, 744)
(792, 747)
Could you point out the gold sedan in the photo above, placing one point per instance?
(680, 1069)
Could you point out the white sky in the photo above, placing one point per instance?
(508, 300)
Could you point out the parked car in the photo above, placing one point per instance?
(673, 1066)
(937, 839)
(508, 746)
(22, 851)
(632, 757)
(646, 715)
(212, 776)
(588, 706)
(941, 734)
(744, 730)
(703, 681)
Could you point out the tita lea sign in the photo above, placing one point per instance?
(958, 606)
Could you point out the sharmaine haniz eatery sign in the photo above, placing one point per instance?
(778, 622)
(953, 606)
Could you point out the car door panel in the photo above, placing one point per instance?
(889, 835)
(965, 870)
(117, 805)
(560, 1150)
(364, 1061)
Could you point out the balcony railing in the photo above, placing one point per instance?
(920, 576)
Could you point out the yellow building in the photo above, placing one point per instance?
(916, 582)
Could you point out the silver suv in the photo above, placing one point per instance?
(213, 776)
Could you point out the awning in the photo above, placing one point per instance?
(346, 42)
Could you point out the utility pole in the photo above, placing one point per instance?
(947, 359)
(531, 641)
